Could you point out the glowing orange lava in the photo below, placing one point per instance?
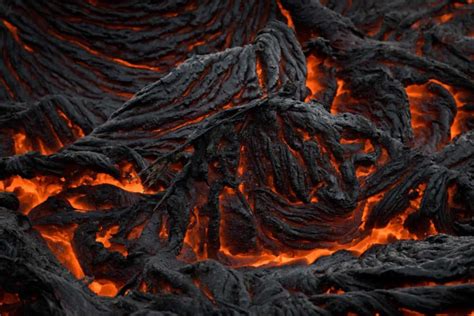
(418, 93)
(394, 230)
(312, 82)
(32, 192)
(59, 240)
(286, 14)
(197, 229)
(104, 287)
(104, 237)
(260, 74)
(77, 131)
(23, 145)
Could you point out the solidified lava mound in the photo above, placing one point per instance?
(236, 157)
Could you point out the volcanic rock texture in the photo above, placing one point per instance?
(228, 157)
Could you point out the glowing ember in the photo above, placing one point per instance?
(104, 288)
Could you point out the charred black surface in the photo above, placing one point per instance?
(242, 141)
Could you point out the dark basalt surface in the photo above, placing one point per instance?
(210, 104)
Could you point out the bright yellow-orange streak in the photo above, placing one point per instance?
(312, 76)
(196, 44)
(77, 131)
(260, 74)
(286, 14)
(59, 240)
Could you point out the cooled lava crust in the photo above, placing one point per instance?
(228, 157)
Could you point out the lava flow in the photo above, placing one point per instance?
(269, 157)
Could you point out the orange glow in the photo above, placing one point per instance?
(205, 290)
(227, 192)
(394, 230)
(457, 126)
(420, 119)
(143, 287)
(364, 171)
(104, 288)
(98, 54)
(366, 144)
(286, 14)
(103, 236)
(260, 74)
(59, 241)
(199, 119)
(23, 145)
(132, 185)
(375, 28)
(77, 131)
(77, 203)
(367, 147)
(342, 97)
(136, 232)
(241, 166)
(445, 17)
(9, 90)
(418, 93)
(196, 44)
(122, 94)
(8, 298)
(164, 229)
(312, 82)
(14, 31)
(31, 192)
(197, 230)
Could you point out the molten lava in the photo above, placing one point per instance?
(33, 192)
(243, 171)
